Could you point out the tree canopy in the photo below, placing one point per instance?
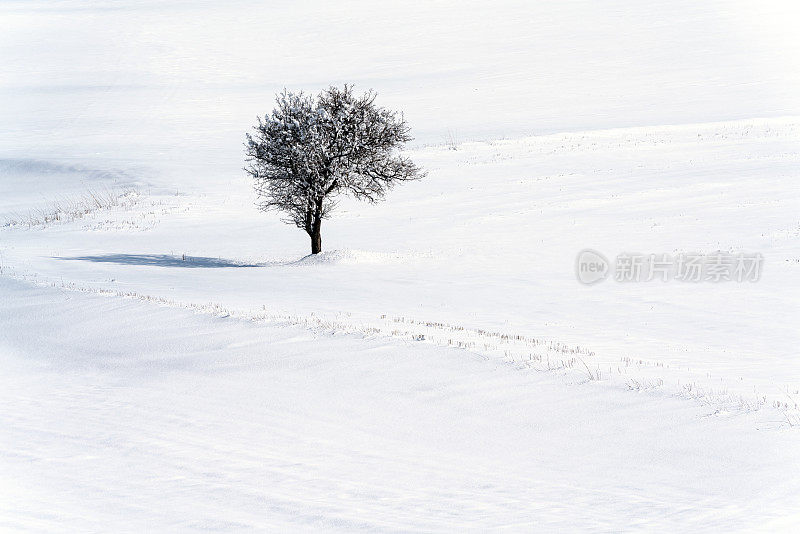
(310, 150)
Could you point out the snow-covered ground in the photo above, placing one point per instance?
(488, 242)
(123, 416)
(174, 362)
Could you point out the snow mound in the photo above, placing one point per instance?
(357, 257)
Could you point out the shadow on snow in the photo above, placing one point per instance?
(163, 260)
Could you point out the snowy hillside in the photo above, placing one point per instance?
(124, 416)
(173, 361)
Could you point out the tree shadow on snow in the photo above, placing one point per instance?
(163, 260)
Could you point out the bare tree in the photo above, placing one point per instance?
(310, 150)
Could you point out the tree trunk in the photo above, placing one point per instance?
(316, 241)
(316, 232)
